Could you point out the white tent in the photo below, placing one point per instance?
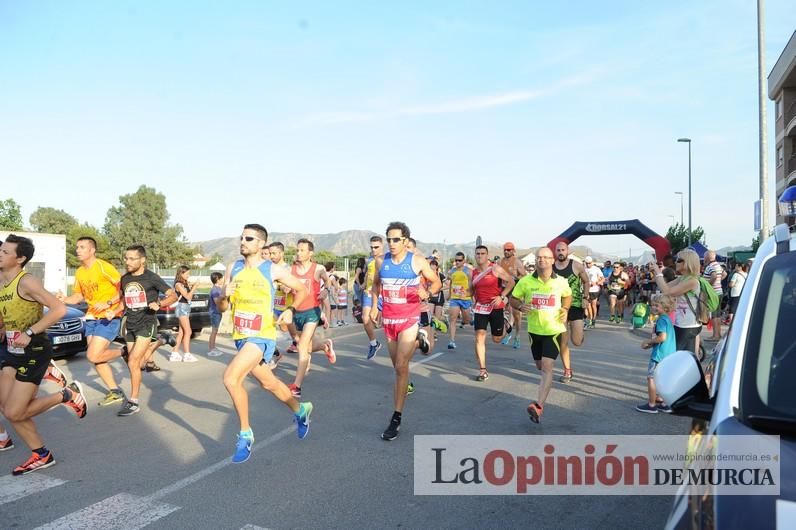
(529, 259)
(647, 257)
(218, 267)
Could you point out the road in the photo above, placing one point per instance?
(168, 467)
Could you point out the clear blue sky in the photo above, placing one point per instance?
(505, 119)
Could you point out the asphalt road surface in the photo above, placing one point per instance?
(169, 466)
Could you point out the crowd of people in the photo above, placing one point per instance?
(396, 290)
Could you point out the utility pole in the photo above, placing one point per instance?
(762, 88)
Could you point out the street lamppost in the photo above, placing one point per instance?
(673, 219)
(680, 193)
(688, 141)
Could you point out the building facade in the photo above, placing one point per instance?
(782, 90)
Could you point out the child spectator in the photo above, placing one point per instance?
(215, 313)
(641, 312)
(342, 301)
(663, 344)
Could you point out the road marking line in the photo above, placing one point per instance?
(253, 527)
(413, 364)
(199, 475)
(13, 488)
(122, 511)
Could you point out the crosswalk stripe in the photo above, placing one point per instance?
(122, 511)
(13, 488)
(253, 527)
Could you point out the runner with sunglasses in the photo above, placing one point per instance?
(491, 287)
(460, 295)
(376, 251)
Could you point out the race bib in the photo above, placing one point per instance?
(247, 323)
(280, 300)
(11, 336)
(482, 309)
(458, 291)
(543, 301)
(135, 300)
(394, 294)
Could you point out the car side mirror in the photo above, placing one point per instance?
(680, 382)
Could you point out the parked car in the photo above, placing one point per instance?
(68, 335)
(199, 317)
(748, 389)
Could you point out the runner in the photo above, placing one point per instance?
(577, 278)
(250, 290)
(28, 352)
(97, 283)
(140, 290)
(513, 265)
(308, 311)
(460, 295)
(545, 297)
(438, 300)
(596, 280)
(397, 279)
(283, 298)
(376, 251)
(491, 286)
(425, 335)
(617, 281)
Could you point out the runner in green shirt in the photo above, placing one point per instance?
(546, 298)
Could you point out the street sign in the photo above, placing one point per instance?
(758, 223)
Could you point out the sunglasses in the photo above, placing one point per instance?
(394, 239)
(375, 248)
(248, 239)
(616, 266)
(679, 260)
(458, 260)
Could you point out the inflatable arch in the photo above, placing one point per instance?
(603, 228)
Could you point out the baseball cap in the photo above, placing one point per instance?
(588, 259)
(508, 246)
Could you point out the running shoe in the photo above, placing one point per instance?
(647, 409)
(535, 412)
(391, 433)
(620, 319)
(328, 349)
(215, 353)
(293, 348)
(34, 463)
(188, 357)
(113, 396)
(663, 407)
(77, 403)
(150, 366)
(303, 420)
(128, 409)
(516, 344)
(410, 388)
(567, 377)
(167, 338)
(296, 391)
(175, 357)
(439, 325)
(611, 319)
(506, 339)
(243, 449)
(483, 375)
(55, 375)
(451, 345)
(6, 444)
(422, 341)
(373, 348)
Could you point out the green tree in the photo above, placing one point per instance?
(52, 221)
(10, 215)
(142, 218)
(677, 235)
(756, 243)
(215, 258)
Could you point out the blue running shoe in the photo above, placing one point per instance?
(516, 344)
(243, 449)
(303, 420)
(373, 349)
(506, 339)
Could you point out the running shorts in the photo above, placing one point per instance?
(547, 346)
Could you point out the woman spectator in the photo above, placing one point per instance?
(183, 311)
(359, 279)
(736, 286)
(685, 289)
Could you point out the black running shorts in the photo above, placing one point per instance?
(148, 328)
(545, 346)
(31, 365)
(494, 319)
(575, 313)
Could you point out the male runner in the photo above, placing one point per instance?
(490, 300)
(308, 311)
(97, 283)
(140, 291)
(249, 284)
(513, 265)
(575, 274)
(617, 281)
(425, 335)
(545, 297)
(596, 279)
(376, 251)
(283, 296)
(460, 295)
(397, 280)
(28, 351)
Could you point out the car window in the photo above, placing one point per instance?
(773, 332)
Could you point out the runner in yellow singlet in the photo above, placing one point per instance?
(460, 295)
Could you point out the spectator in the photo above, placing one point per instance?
(685, 290)
(215, 313)
(185, 293)
(662, 344)
(714, 274)
(342, 301)
(736, 286)
(359, 279)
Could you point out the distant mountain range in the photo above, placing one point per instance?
(358, 241)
